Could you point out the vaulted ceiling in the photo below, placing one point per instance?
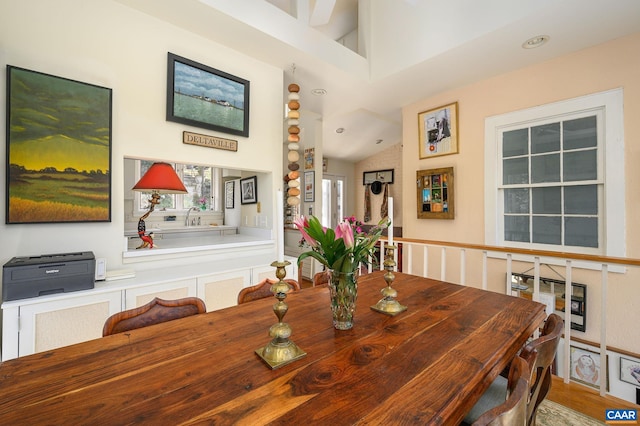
(390, 53)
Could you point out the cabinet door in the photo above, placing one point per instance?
(221, 290)
(50, 325)
(172, 290)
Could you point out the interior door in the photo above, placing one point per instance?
(333, 190)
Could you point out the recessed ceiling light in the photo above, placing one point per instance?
(379, 141)
(318, 92)
(534, 42)
(340, 130)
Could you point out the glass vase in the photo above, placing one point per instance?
(343, 288)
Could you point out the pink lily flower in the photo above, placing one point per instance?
(345, 231)
(302, 223)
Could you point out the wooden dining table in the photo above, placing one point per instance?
(427, 365)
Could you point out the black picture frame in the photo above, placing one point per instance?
(382, 176)
(201, 96)
(229, 194)
(309, 187)
(523, 283)
(68, 123)
(249, 190)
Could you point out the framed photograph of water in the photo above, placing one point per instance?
(205, 97)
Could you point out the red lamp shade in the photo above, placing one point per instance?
(161, 178)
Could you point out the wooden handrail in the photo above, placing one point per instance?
(604, 263)
(529, 252)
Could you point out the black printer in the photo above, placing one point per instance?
(32, 276)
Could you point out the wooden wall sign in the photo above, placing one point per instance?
(209, 141)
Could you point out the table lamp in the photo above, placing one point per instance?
(161, 178)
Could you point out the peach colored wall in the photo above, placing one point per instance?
(390, 158)
(611, 65)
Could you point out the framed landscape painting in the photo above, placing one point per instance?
(205, 97)
(58, 149)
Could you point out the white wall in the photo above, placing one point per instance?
(111, 45)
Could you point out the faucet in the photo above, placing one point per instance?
(186, 221)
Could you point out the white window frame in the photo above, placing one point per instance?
(214, 207)
(611, 153)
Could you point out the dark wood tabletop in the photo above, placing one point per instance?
(427, 365)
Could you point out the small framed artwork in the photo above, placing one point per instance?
(309, 185)
(229, 194)
(438, 131)
(630, 371)
(382, 176)
(309, 158)
(435, 193)
(585, 366)
(58, 149)
(249, 190)
(205, 97)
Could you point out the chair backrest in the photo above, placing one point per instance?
(539, 354)
(321, 278)
(262, 290)
(512, 412)
(156, 311)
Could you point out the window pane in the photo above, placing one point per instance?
(581, 199)
(580, 133)
(545, 168)
(580, 165)
(547, 200)
(515, 171)
(515, 142)
(197, 180)
(547, 230)
(581, 231)
(545, 138)
(166, 200)
(516, 228)
(516, 200)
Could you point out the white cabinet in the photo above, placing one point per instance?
(55, 323)
(221, 290)
(171, 290)
(48, 322)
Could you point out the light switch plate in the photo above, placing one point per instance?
(101, 269)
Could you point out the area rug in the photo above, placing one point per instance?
(552, 414)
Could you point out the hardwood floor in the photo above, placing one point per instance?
(584, 399)
(572, 395)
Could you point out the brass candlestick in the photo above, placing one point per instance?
(280, 351)
(388, 304)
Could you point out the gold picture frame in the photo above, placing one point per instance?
(438, 131)
(435, 193)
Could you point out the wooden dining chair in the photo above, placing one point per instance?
(321, 278)
(539, 355)
(262, 290)
(513, 411)
(155, 312)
